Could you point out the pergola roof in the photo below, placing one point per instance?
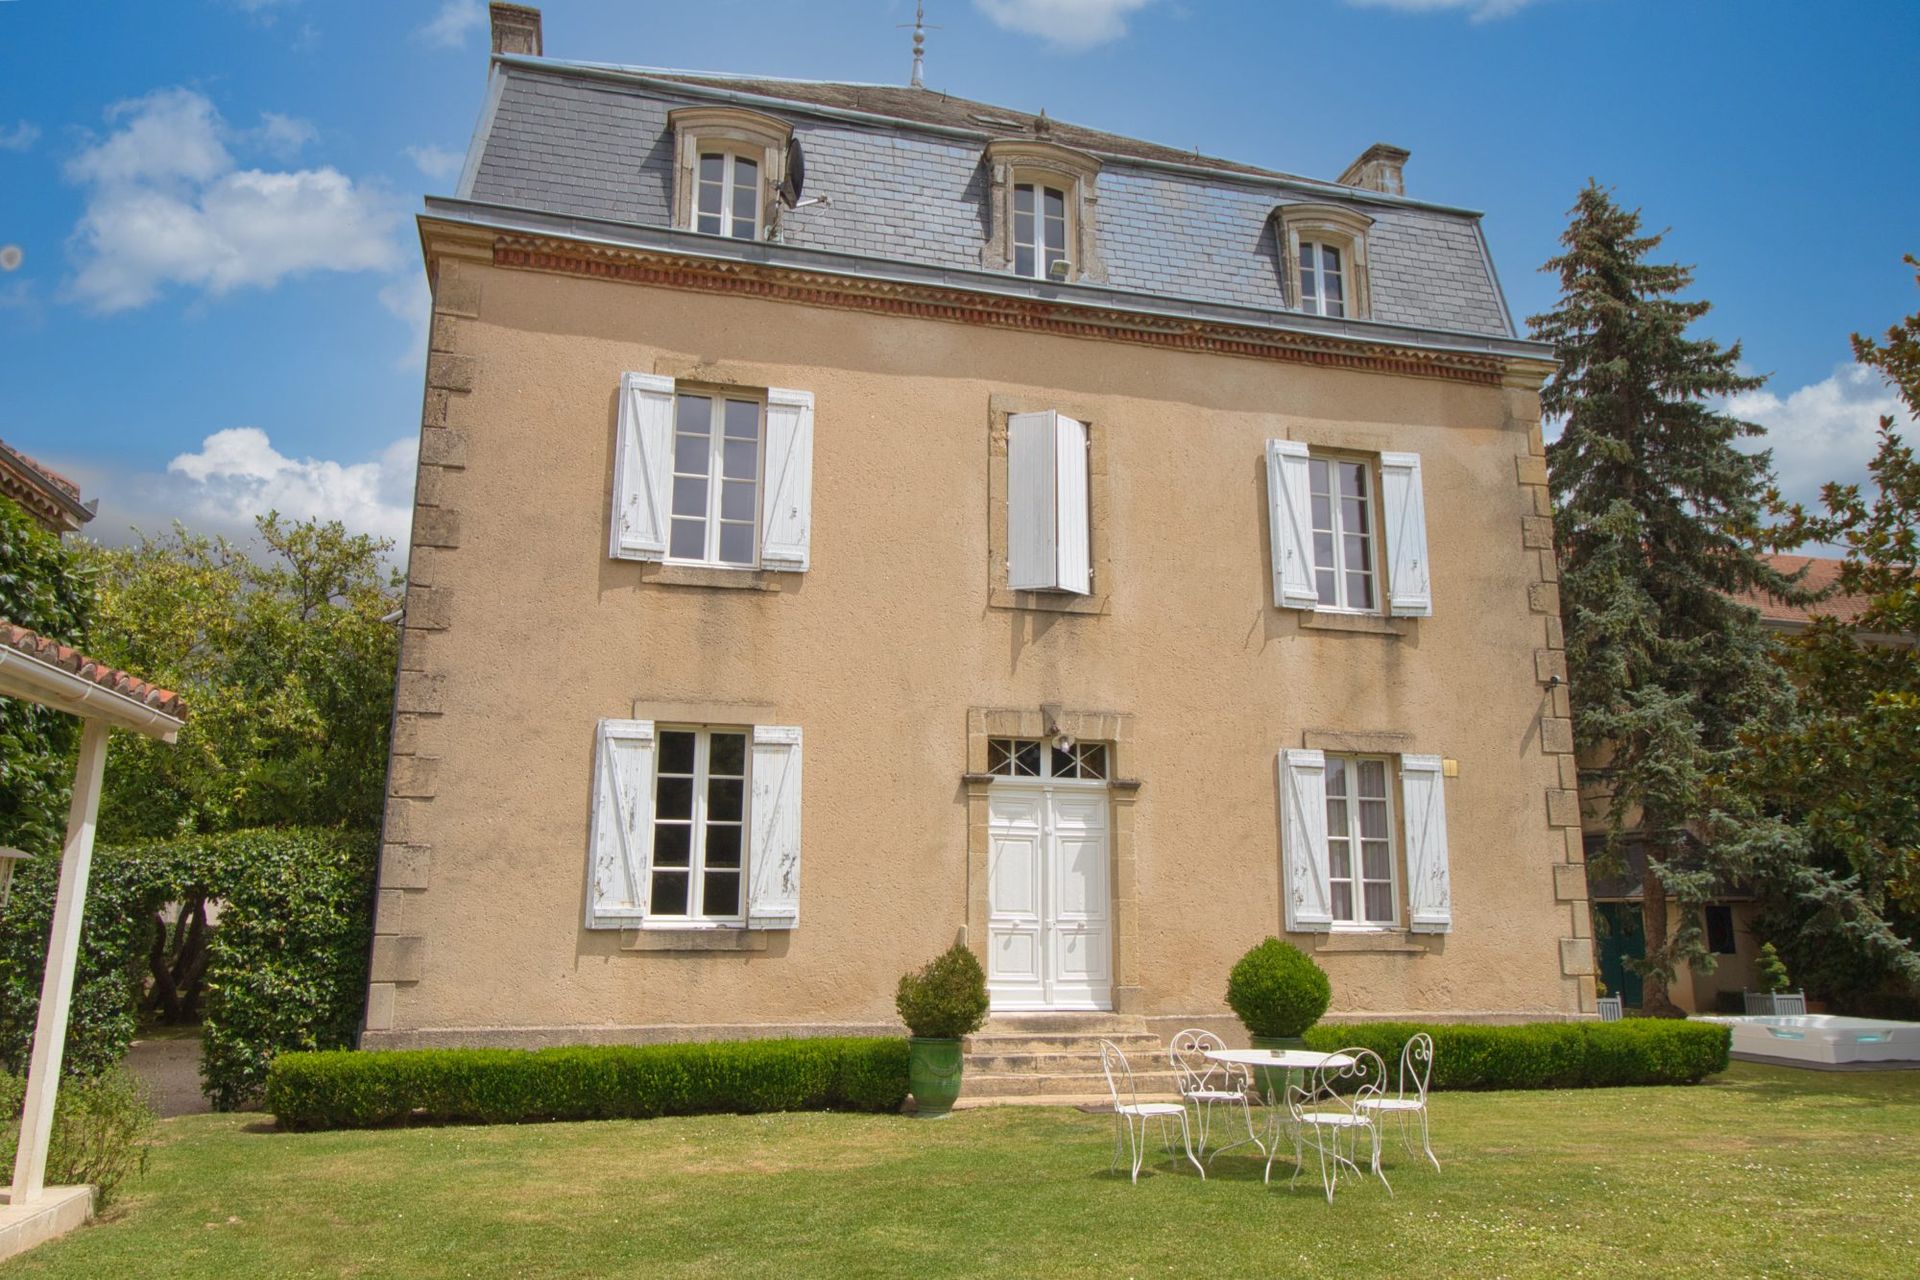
(58, 676)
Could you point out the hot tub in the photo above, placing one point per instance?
(1824, 1038)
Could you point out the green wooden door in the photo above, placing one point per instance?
(1617, 931)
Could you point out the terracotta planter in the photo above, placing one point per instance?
(933, 1075)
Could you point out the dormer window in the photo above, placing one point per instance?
(1042, 202)
(1324, 248)
(1039, 229)
(728, 163)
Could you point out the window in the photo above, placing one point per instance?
(699, 825)
(1322, 291)
(1348, 533)
(1039, 229)
(728, 200)
(1323, 255)
(716, 479)
(1343, 569)
(1049, 512)
(1032, 758)
(1720, 929)
(1359, 841)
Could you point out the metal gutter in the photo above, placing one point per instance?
(75, 695)
(482, 133)
(513, 220)
(641, 76)
(1493, 278)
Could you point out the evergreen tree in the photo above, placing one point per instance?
(1659, 523)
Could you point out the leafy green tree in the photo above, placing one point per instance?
(44, 587)
(1845, 776)
(1660, 523)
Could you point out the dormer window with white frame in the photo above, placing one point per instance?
(1323, 249)
(1042, 211)
(728, 164)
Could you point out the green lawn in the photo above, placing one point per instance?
(1763, 1171)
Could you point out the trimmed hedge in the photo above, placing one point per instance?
(1546, 1055)
(357, 1090)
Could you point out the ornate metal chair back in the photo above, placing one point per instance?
(1113, 1064)
(1416, 1066)
(1339, 1087)
(1187, 1053)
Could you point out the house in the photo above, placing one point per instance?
(1726, 923)
(852, 519)
(43, 493)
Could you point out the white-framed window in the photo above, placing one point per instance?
(716, 479)
(1360, 844)
(1033, 758)
(1323, 290)
(1344, 573)
(727, 195)
(1039, 229)
(699, 826)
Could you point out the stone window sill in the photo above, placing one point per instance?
(1355, 623)
(1048, 601)
(652, 939)
(693, 575)
(1376, 941)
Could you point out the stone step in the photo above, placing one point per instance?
(1151, 1087)
(1086, 1024)
(1076, 1061)
(1134, 1044)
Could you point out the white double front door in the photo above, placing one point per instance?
(1049, 901)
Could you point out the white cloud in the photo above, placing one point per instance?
(1478, 10)
(1824, 431)
(411, 301)
(283, 136)
(167, 204)
(1070, 24)
(436, 162)
(237, 474)
(455, 20)
(19, 137)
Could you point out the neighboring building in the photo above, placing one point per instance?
(43, 493)
(1727, 922)
(1103, 554)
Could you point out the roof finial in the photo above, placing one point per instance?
(920, 29)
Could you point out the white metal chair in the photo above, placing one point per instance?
(1416, 1072)
(1611, 1008)
(1206, 1084)
(1133, 1114)
(1330, 1111)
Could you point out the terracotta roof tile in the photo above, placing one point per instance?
(53, 653)
(1823, 573)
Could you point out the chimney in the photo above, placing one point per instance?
(1379, 168)
(516, 29)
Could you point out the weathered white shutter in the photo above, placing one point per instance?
(1424, 804)
(1049, 541)
(622, 829)
(773, 858)
(642, 467)
(1303, 809)
(1290, 518)
(1409, 585)
(786, 503)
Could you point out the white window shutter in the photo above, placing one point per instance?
(773, 858)
(1290, 518)
(786, 499)
(1303, 807)
(1424, 805)
(622, 828)
(1049, 541)
(642, 467)
(1409, 585)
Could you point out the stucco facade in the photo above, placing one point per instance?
(900, 652)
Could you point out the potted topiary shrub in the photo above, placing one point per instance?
(940, 1003)
(1277, 992)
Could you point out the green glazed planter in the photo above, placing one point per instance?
(933, 1075)
(1273, 1080)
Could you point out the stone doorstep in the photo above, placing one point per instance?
(1075, 1061)
(57, 1211)
(1158, 1087)
(1135, 1046)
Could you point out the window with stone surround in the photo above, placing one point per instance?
(699, 825)
(1323, 251)
(1356, 826)
(1042, 200)
(728, 165)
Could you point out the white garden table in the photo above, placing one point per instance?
(1288, 1060)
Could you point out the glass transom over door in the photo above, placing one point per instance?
(1049, 908)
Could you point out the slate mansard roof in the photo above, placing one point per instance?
(905, 173)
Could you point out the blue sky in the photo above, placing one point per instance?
(219, 303)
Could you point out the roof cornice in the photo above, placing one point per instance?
(664, 258)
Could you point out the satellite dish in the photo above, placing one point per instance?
(796, 179)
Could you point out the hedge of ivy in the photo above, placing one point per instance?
(1546, 1055)
(286, 967)
(356, 1090)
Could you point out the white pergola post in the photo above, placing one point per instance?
(63, 951)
